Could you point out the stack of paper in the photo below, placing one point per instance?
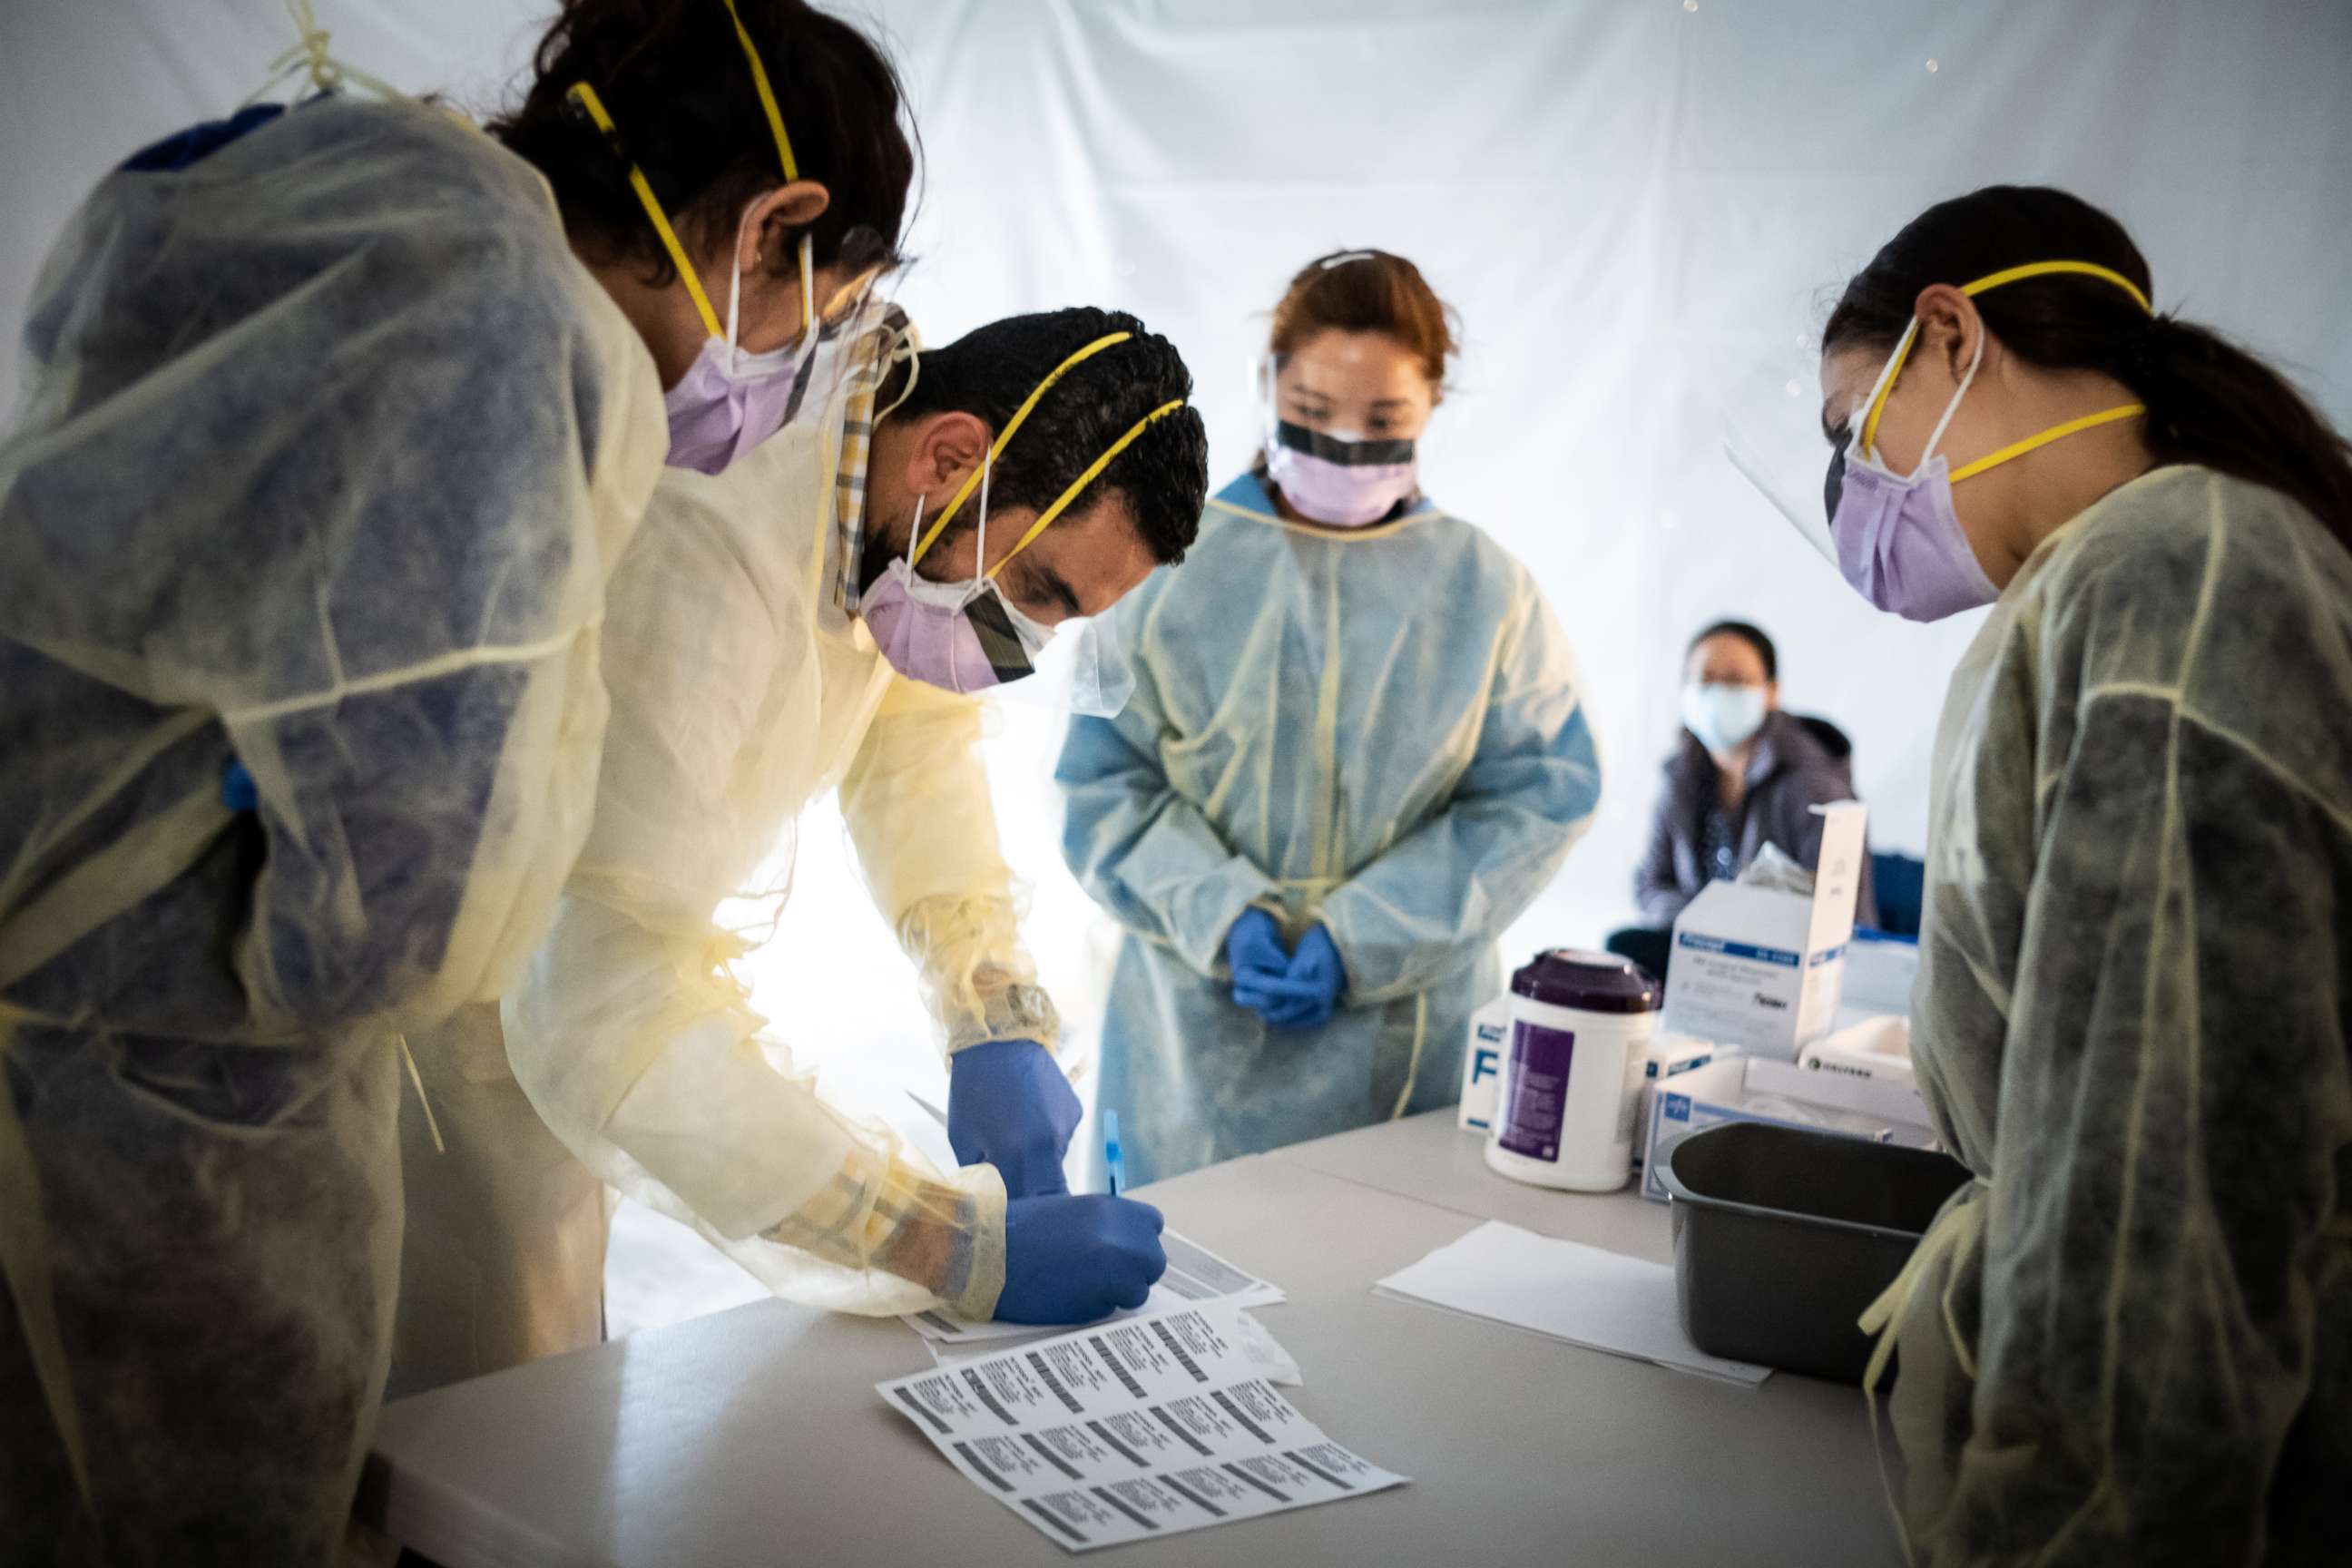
(1132, 1430)
(1195, 1277)
(1598, 1299)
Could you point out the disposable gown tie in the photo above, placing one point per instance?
(327, 447)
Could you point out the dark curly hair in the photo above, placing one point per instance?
(1163, 476)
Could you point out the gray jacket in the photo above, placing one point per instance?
(1799, 764)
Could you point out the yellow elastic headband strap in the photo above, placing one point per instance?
(1094, 471)
(581, 94)
(2044, 268)
(1993, 281)
(2019, 449)
(767, 93)
(996, 447)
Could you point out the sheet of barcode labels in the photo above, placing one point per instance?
(1134, 1429)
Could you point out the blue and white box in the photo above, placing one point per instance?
(1741, 1088)
(1762, 968)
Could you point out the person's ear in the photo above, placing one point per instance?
(1949, 328)
(770, 230)
(945, 451)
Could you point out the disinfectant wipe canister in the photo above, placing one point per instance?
(1580, 1026)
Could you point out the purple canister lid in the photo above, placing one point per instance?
(1588, 982)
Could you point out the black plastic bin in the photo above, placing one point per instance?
(1783, 1236)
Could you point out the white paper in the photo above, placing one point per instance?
(1195, 1275)
(1255, 1345)
(1601, 1300)
(1132, 1430)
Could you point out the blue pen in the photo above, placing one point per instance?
(1113, 1161)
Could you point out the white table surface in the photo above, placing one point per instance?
(754, 1436)
(1429, 1159)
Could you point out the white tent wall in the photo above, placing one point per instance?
(1642, 209)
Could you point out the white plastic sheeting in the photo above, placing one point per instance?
(1642, 208)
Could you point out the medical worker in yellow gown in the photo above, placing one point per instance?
(800, 624)
(2129, 1339)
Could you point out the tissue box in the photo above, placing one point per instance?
(1482, 1064)
(1670, 1056)
(1877, 1050)
(1762, 969)
(1719, 1092)
(1879, 970)
(1894, 1104)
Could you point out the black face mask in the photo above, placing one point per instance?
(1346, 454)
(1834, 486)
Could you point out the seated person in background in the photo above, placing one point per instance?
(1746, 774)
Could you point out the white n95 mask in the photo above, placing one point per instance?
(1724, 717)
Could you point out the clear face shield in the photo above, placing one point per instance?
(1770, 433)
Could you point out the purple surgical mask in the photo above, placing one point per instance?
(1337, 477)
(728, 402)
(1899, 542)
(962, 637)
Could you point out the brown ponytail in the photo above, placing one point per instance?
(2209, 401)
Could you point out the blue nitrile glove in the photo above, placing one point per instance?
(1260, 962)
(1317, 964)
(1010, 1107)
(1071, 1259)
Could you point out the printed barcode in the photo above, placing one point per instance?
(946, 1326)
(1244, 1475)
(1168, 1337)
(922, 1412)
(1050, 1458)
(1182, 1490)
(989, 1399)
(1118, 1367)
(1037, 1362)
(1303, 1463)
(1112, 1499)
(999, 1482)
(1124, 1452)
(1180, 1429)
(1184, 1285)
(1055, 1520)
(1226, 1402)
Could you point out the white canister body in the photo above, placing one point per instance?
(1570, 1092)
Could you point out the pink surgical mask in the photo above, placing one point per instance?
(964, 637)
(728, 402)
(1337, 477)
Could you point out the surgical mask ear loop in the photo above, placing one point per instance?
(903, 351)
(734, 301)
(1936, 437)
(808, 283)
(981, 573)
(914, 533)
